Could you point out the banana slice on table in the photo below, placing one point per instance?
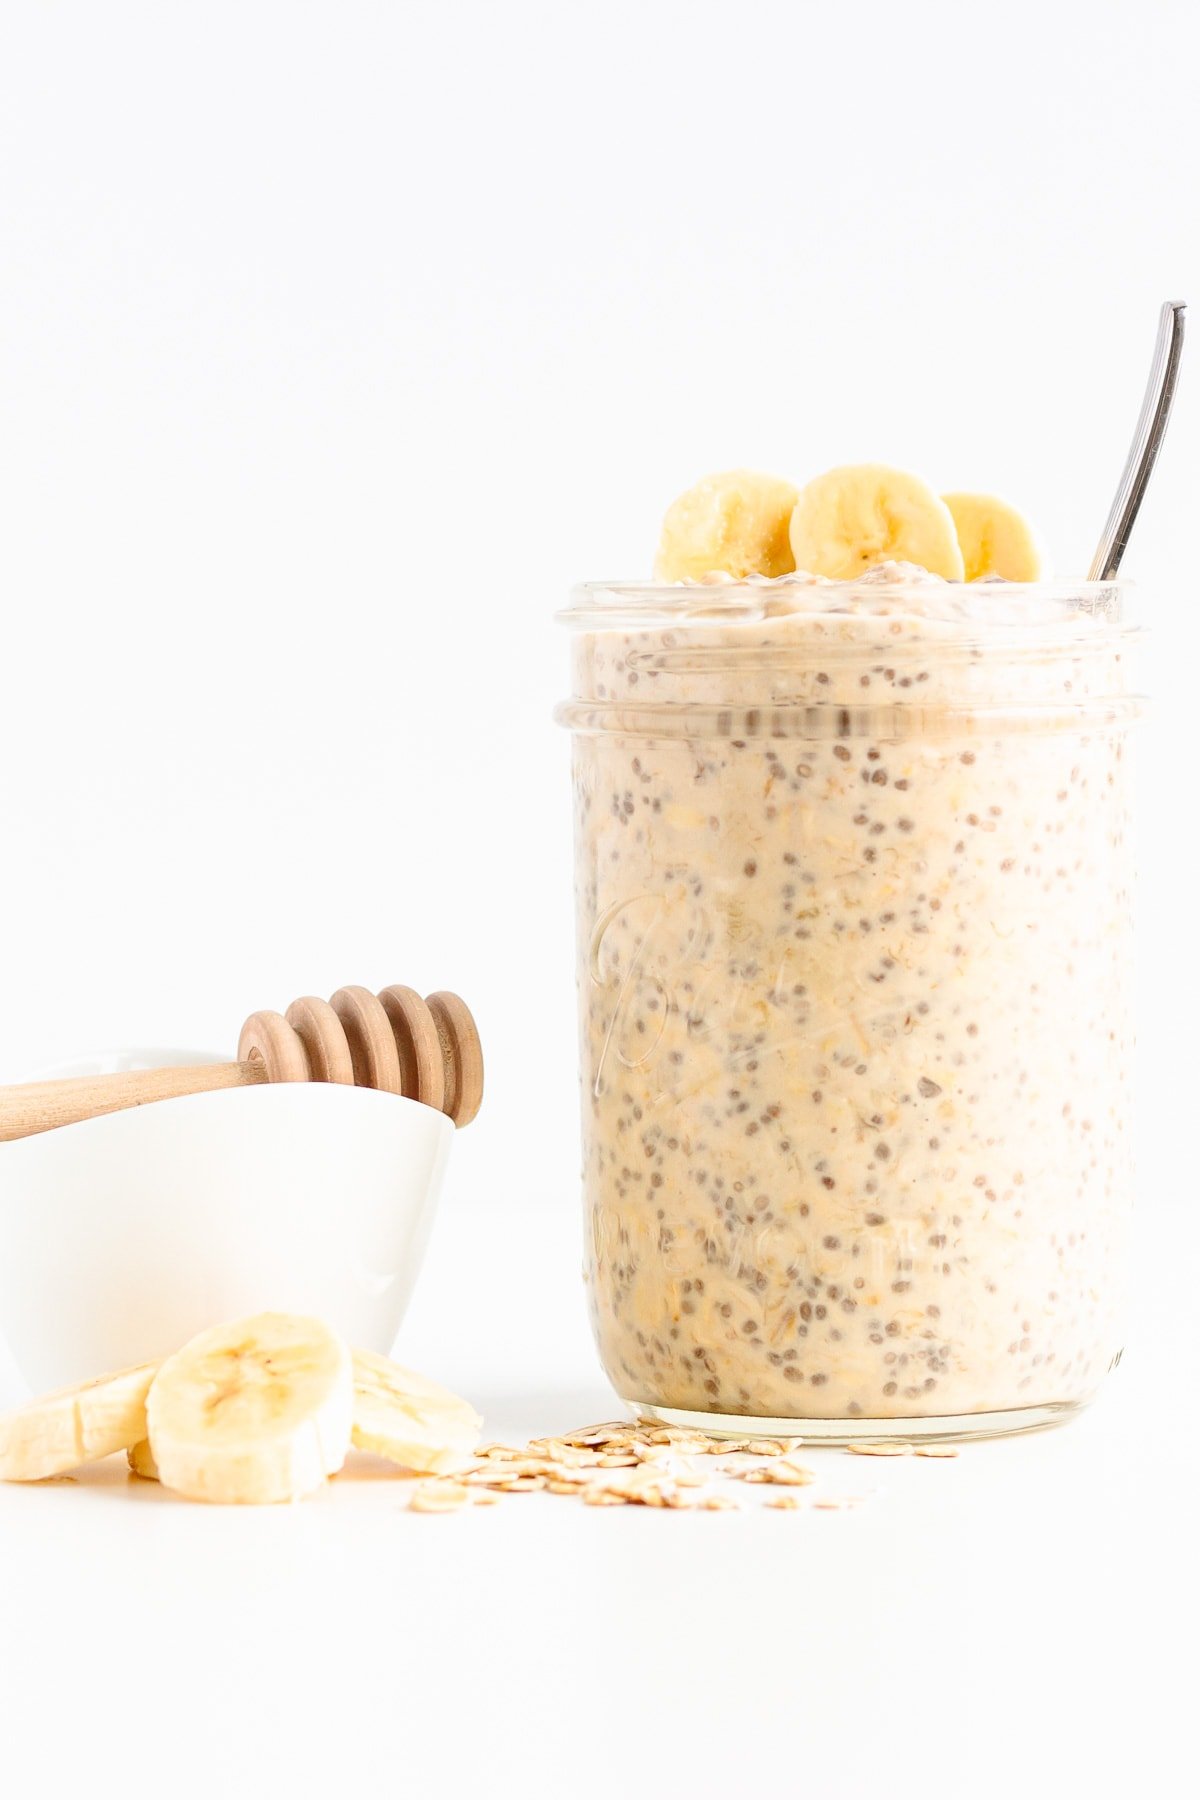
(75, 1425)
(409, 1420)
(994, 538)
(140, 1458)
(734, 524)
(848, 520)
(254, 1412)
(397, 1414)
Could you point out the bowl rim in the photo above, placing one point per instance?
(318, 1094)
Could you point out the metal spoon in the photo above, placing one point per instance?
(1147, 441)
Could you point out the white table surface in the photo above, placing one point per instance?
(1016, 1621)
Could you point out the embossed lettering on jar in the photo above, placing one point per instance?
(853, 888)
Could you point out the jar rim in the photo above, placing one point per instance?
(990, 603)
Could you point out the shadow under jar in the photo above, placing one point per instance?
(853, 887)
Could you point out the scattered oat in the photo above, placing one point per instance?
(686, 1443)
(592, 1437)
(792, 1474)
(783, 1473)
(620, 1463)
(935, 1450)
(440, 1496)
(564, 1454)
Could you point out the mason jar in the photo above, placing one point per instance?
(853, 880)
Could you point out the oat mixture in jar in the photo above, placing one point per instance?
(853, 886)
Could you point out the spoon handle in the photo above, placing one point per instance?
(1147, 440)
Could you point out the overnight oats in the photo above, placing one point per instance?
(853, 886)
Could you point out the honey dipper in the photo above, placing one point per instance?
(427, 1050)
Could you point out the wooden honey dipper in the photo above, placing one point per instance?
(427, 1050)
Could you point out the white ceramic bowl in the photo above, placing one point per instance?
(120, 1237)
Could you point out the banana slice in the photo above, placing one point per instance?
(732, 524)
(411, 1421)
(140, 1458)
(75, 1425)
(852, 518)
(994, 538)
(254, 1412)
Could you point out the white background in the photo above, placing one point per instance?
(336, 341)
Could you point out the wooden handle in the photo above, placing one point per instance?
(41, 1105)
(427, 1050)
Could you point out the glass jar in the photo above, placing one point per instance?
(853, 887)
